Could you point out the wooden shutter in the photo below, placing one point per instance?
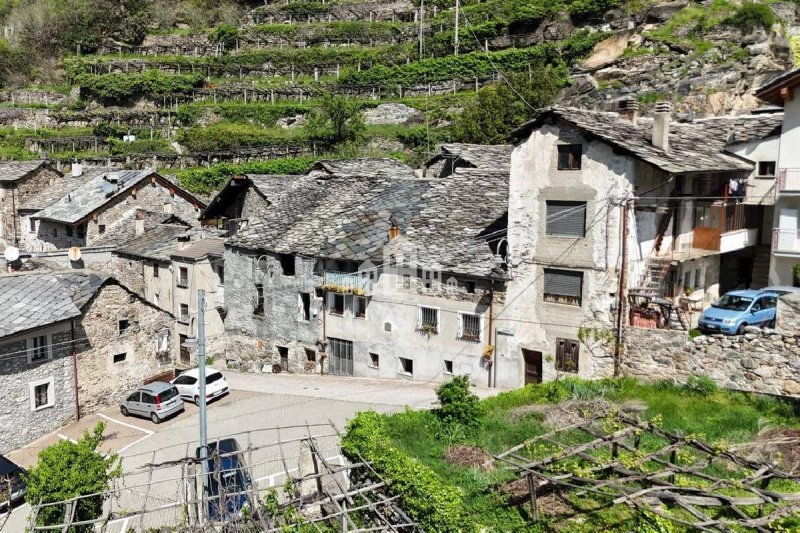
(567, 351)
(566, 218)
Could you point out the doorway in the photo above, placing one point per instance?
(533, 366)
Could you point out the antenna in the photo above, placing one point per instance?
(74, 254)
(11, 254)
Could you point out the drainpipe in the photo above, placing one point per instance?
(622, 290)
(324, 334)
(74, 369)
(14, 214)
(493, 360)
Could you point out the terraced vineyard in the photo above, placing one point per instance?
(260, 84)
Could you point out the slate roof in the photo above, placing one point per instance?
(124, 229)
(348, 217)
(689, 146)
(60, 188)
(493, 157)
(157, 243)
(11, 171)
(29, 301)
(377, 166)
(92, 195)
(738, 129)
(210, 246)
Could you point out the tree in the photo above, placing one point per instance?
(497, 110)
(69, 469)
(338, 120)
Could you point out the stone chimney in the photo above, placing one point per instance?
(663, 115)
(139, 224)
(77, 170)
(628, 109)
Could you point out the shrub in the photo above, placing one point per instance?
(702, 385)
(69, 469)
(338, 120)
(457, 403)
(226, 34)
(428, 500)
(750, 16)
(208, 180)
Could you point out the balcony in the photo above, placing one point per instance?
(786, 242)
(345, 282)
(789, 181)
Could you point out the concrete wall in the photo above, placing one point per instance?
(760, 189)
(21, 422)
(535, 178)
(202, 275)
(101, 381)
(786, 215)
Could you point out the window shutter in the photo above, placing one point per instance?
(299, 307)
(566, 218)
(419, 317)
(563, 282)
(460, 325)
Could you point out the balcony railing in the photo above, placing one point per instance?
(786, 241)
(789, 180)
(347, 282)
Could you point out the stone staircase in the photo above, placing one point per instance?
(761, 259)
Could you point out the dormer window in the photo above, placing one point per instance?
(569, 156)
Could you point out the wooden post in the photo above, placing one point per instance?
(532, 489)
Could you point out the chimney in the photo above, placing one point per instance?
(394, 230)
(77, 170)
(629, 109)
(138, 229)
(661, 125)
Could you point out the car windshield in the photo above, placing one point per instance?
(211, 378)
(168, 394)
(733, 303)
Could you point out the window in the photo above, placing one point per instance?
(305, 303)
(120, 358)
(406, 366)
(469, 327)
(469, 286)
(69, 231)
(183, 315)
(259, 307)
(387, 326)
(374, 360)
(33, 225)
(39, 351)
(101, 228)
(155, 270)
(55, 232)
(766, 169)
(287, 264)
(81, 231)
(569, 156)
(428, 320)
(155, 299)
(360, 306)
(42, 394)
(448, 367)
(311, 355)
(122, 325)
(566, 218)
(283, 352)
(337, 304)
(563, 286)
(567, 355)
(183, 277)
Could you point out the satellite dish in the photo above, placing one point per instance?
(74, 254)
(11, 253)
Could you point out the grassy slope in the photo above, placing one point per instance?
(718, 417)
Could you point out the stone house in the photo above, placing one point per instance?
(785, 256)
(368, 272)
(573, 172)
(73, 337)
(105, 199)
(19, 181)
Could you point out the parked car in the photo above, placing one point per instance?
(12, 486)
(228, 472)
(188, 384)
(736, 310)
(158, 400)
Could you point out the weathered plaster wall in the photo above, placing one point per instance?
(101, 381)
(763, 361)
(20, 422)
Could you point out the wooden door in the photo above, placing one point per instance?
(533, 366)
(707, 227)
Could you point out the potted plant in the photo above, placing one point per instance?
(488, 352)
(796, 275)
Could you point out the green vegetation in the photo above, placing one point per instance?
(457, 404)
(336, 121)
(208, 180)
(750, 16)
(699, 409)
(69, 469)
(118, 88)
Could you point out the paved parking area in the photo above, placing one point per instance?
(257, 404)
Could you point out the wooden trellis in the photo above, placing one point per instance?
(621, 460)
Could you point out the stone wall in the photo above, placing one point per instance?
(102, 381)
(21, 423)
(763, 361)
(18, 194)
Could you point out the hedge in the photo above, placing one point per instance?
(428, 500)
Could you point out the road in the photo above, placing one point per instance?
(257, 404)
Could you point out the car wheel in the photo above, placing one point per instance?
(740, 331)
(154, 418)
(771, 323)
(124, 410)
(196, 401)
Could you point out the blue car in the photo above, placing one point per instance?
(229, 473)
(738, 309)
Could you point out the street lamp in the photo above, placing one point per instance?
(199, 342)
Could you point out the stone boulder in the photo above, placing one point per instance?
(608, 50)
(664, 12)
(392, 113)
(289, 123)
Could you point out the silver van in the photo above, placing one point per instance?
(157, 401)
